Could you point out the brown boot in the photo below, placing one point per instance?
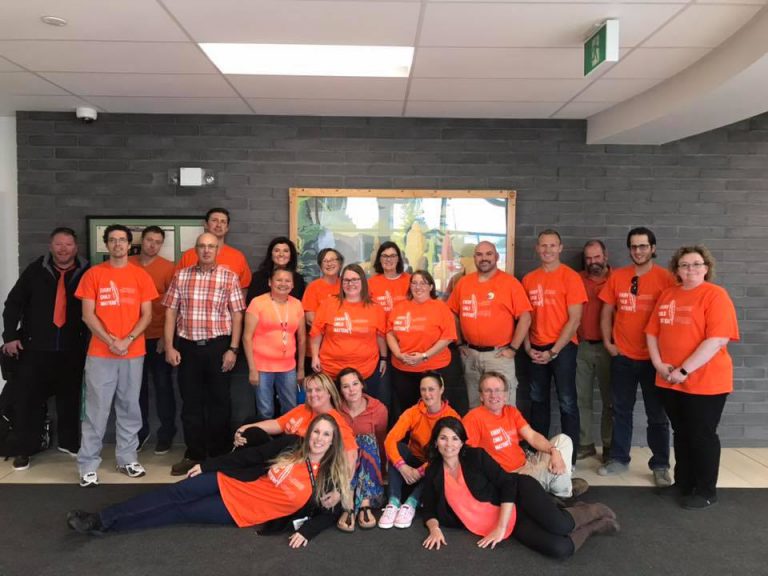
(584, 513)
(603, 525)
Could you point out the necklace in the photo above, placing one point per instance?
(283, 323)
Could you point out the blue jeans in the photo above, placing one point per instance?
(165, 398)
(396, 480)
(284, 383)
(378, 386)
(563, 370)
(192, 501)
(626, 373)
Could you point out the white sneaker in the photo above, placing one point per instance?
(89, 479)
(405, 515)
(132, 470)
(387, 519)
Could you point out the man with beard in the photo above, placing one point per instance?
(43, 327)
(494, 316)
(592, 359)
(629, 297)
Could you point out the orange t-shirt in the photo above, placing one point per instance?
(228, 257)
(161, 271)
(416, 423)
(550, 294)
(631, 312)
(589, 329)
(349, 332)
(118, 294)
(682, 320)
(417, 327)
(296, 421)
(478, 517)
(281, 492)
(388, 292)
(274, 339)
(487, 310)
(498, 435)
(317, 291)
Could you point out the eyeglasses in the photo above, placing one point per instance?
(633, 287)
(117, 241)
(351, 281)
(419, 284)
(330, 261)
(388, 256)
(493, 392)
(639, 247)
(692, 265)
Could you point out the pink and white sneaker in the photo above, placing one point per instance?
(405, 515)
(387, 519)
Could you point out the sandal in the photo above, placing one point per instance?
(365, 518)
(346, 522)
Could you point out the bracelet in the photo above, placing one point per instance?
(424, 357)
(234, 350)
(131, 337)
(515, 350)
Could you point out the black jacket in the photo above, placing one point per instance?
(28, 312)
(486, 480)
(253, 461)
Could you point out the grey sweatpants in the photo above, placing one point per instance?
(107, 379)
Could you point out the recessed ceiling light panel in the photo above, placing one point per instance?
(311, 60)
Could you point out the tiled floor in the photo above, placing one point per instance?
(739, 468)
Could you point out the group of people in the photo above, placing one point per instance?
(385, 396)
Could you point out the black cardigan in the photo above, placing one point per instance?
(486, 480)
(251, 461)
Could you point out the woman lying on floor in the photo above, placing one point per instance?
(466, 488)
(244, 488)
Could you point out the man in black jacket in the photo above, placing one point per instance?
(43, 328)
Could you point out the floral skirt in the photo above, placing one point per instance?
(367, 482)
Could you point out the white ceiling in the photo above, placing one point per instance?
(473, 59)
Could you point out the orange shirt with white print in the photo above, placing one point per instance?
(387, 292)
(417, 327)
(274, 339)
(416, 423)
(487, 310)
(228, 257)
(118, 294)
(498, 435)
(349, 332)
(296, 421)
(683, 319)
(632, 311)
(161, 270)
(281, 492)
(550, 294)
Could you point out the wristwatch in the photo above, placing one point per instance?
(553, 355)
(424, 357)
(683, 371)
(131, 337)
(234, 350)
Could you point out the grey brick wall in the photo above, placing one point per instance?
(711, 188)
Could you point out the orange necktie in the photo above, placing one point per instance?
(60, 305)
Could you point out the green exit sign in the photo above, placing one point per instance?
(602, 46)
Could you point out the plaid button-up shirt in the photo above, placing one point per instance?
(204, 301)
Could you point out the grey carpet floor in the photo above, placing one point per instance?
(657, 538)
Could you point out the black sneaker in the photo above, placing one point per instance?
(20, 463)
(183, 466)
(85, 522)
(698, 502)
(163, 447)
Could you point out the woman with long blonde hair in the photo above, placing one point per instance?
(243, 488)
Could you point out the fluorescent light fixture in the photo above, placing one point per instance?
(309, 60)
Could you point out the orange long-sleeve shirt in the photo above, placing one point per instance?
(419, 423)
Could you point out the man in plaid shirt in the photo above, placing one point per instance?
(205, 309)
